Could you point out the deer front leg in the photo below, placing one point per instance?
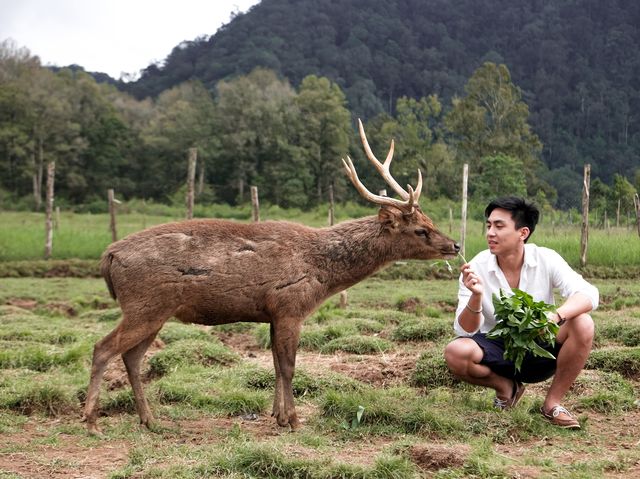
(285, 334)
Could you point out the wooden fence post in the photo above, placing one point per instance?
(255, 205)
(332, 217)
(636, 203)
(112, 214)
(48, 245)
(463, 216)
(191, 176)
(584, 240)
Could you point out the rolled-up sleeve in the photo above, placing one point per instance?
(569, 282)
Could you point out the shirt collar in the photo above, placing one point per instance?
(529, 259)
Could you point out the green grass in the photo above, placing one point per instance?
(85, 236)
(214, 403)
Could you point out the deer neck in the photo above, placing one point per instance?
(352, 250)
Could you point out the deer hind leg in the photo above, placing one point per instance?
(132, 359)
(285, 334)
(278, 399)
(128, 334)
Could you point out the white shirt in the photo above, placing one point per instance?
(542, 271)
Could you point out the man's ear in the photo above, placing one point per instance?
(525, 232)
(389, 217)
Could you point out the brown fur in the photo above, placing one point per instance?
(216, 272)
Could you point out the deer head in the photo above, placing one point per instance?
(411, 230)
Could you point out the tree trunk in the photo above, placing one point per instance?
(191, 174)
(584, 240)
(48, 245)
(112, 215)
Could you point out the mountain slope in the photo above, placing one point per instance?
(576, 61)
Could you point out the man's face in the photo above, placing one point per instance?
(502, 235)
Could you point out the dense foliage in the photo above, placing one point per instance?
(575, 62)
(525, 92)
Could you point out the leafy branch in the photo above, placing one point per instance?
(523, 324)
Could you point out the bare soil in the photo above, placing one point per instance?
(36, 455)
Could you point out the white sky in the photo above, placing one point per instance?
(111, 36)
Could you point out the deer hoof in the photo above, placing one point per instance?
(295, 423)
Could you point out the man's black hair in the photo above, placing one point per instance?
(523, 212)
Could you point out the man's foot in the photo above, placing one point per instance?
(518, 391)
(560, 417)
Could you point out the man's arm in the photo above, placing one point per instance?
(576, 304)
(470, 319)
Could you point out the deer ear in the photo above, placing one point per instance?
(389, 218)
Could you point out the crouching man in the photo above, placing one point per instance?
(511, 263)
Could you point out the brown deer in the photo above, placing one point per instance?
(216, 272)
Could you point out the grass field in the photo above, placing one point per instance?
(85, 236)
(371, 386)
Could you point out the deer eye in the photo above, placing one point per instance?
(422, 232)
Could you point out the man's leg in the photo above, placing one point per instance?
(576, 336)
(463, 356)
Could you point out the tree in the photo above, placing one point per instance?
(324, 133)
(623, 191)
(500, 176)
(183, 117)
(255, 122)
(492, 119)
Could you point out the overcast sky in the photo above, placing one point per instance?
(111, 36)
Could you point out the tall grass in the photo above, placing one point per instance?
(85, 236)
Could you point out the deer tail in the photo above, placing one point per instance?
(105, 271)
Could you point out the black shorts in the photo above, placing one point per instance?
(534, 368)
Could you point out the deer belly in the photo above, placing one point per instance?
(222, 312)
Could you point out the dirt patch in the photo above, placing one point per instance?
(433, 457)
(61, 309)
(390, 369)
(243, 343)
(410, 305)
(116, 374)
(28, 304)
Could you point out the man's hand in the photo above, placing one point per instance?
(471, 280)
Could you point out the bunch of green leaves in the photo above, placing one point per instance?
(523, 325)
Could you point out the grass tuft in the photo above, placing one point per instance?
(423, 329)
(357, 345)
(625, 361)
(191, 352)
(432, 371)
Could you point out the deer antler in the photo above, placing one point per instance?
(412, 197)
(383, 169)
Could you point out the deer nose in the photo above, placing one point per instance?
(456, 247)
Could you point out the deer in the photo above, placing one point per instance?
(212, 272)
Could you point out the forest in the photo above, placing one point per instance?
(515, 90)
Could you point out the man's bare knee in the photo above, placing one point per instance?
(582, 329)
(459, 353)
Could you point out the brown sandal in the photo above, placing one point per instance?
(553, 416)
